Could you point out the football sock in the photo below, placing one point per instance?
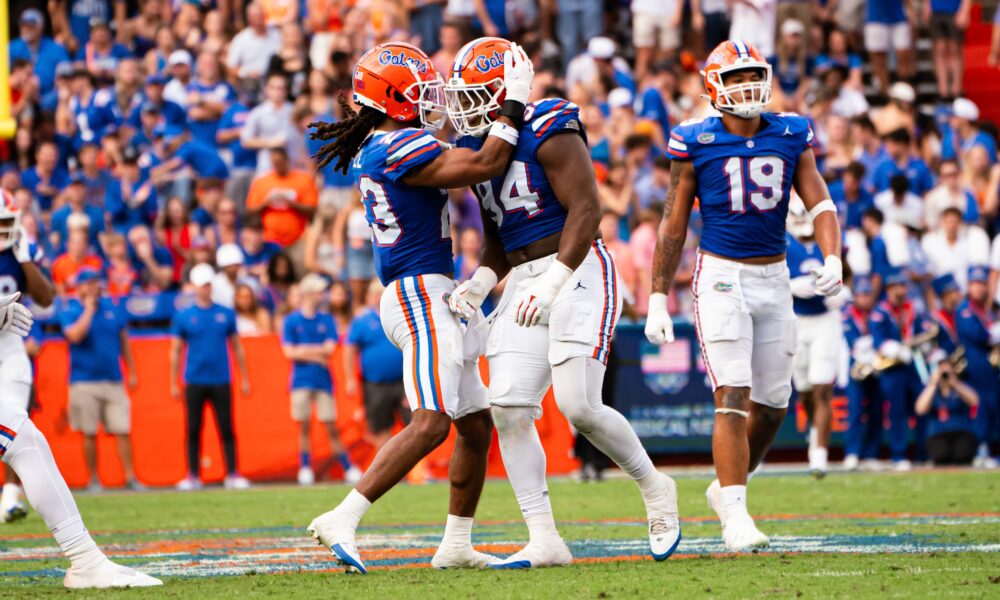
(734, 498)
(523, 457)
(11, 494)
(31, 458)
(457, 531)
(541, 526)
(345, 461)
(305, 460)
(354, 507)
(577, 387)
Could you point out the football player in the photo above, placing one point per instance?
(820, 339)
(18, 273)
(402, 173)
(555, 320)
(742, 166)
(24, 449)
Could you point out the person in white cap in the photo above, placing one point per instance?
(208, 331)
(179, 68)
(229, 259)
(964, 134)
(793, 65)
(600, 58)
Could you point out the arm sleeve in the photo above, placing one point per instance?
(409, 150)
(680, 143)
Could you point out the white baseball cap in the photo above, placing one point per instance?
(601, 47)
(228, 255)
(179, 57)
(313, 283)
(963, 108)
(903, 92)
(620, 97)
(792, 27)
(201, 274)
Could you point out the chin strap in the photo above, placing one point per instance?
(732, 411)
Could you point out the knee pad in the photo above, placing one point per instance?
(523, 386)
(513, 419)
(773, 396)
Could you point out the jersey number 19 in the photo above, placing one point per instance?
(766, 175)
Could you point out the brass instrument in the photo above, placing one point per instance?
(958, 360)
(861, 371)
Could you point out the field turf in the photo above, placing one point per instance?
(926, 534)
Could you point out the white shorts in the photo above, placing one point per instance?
(746, 326)
(11, 420)
(580, 323)
(881, 37)
(440, 354)
(649, 31)
(15, 377)
(818, 355)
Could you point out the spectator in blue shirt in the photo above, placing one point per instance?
(838, 54)
(852, 199)
(949, 401)
(243, 161)
(42, 51)
(872, 149)
(901, 160)
(154, 102)
(208, 97)
(95, 178)
(101, 51)
(96, 329)
(308, 339)
(75, 195)
(46, 179)
(130, 198)
(82, 13)
(381, 368)
(256, 250)
(93, 109)
(208, 331)
(962, 134)
(153, 263)
(183, 157)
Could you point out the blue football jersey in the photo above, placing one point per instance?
(743, 184)
(411, 232)
(11, 274)
(521, 201)
(802, 259)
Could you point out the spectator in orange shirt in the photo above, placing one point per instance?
(285, 200)
(67, 265)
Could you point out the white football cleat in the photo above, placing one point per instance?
(902, 465)
(236, 482)
(465, 557)
(14, 512)
(353, 475)
(107, 574)
(664, 520)
(714, 496)
(552, 552)
(742, 535)
(339, 539)
(306, 476)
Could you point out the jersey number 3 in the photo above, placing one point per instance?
(515, 193)
(766, 175)
(384, 223)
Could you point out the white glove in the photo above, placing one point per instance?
(22, 250)
(837, 301)
(14, 317)
(659, 325)
(829, 277)
(517, 74)
(466, 299)
(905, 354)
(890, 349)
(804, 286)
(995, 334)
(537, 299)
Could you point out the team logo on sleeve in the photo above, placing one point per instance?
(706, 138)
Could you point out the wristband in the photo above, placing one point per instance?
(824, 206)
(504, 132)
(486, 277)
(513, 110)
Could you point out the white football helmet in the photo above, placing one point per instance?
(10, 220)
(798, 222)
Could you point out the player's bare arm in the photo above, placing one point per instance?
(671, 236)
(39, 286)
(570, 171)
(459, 167)
(816, 197)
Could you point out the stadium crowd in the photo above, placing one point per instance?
(163, 146)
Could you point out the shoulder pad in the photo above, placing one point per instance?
(405, 143)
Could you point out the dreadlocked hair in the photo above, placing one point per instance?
(347, 134)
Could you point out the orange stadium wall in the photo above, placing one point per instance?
(266, 436)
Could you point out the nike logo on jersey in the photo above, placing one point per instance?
(579, 286)
(788, 130)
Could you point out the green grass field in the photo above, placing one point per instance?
(922, 534)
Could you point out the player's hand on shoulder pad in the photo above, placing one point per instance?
(659, 326)
(518, 73)
(829, 277)
(14, 317)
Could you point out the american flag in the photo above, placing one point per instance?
(674, 357)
